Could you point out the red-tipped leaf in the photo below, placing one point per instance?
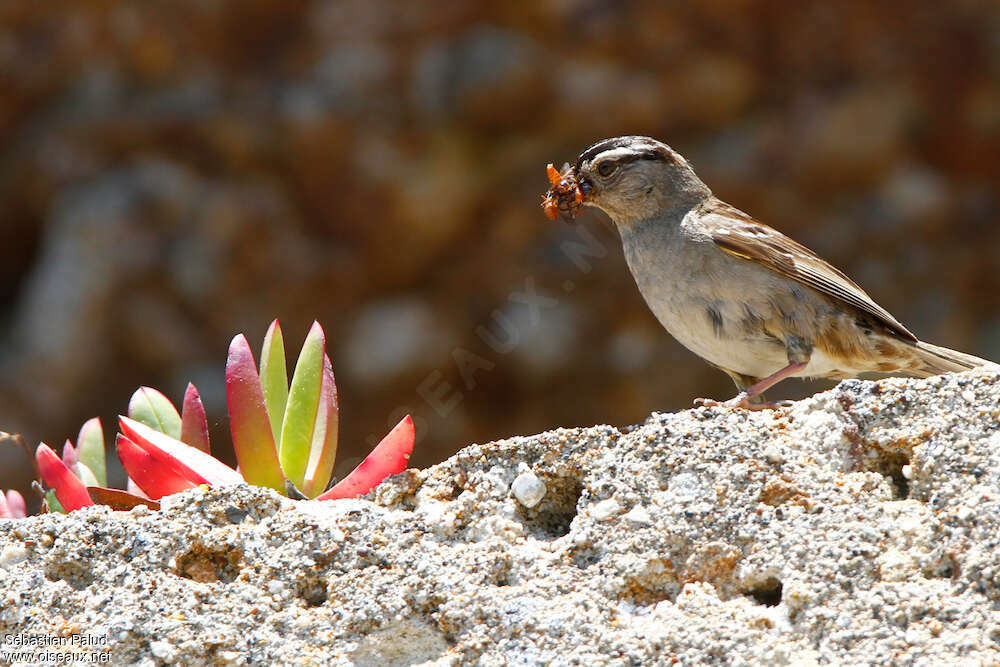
(69, 456)
(85, 474)
(15, 505)
(191, 463)
(388, 458)
(69, 490)
(323, 450)
(274, 377)
(303, 404)
(248, 420)
(155, 410)
(90, 449)
(194, 422)
(155, 479)
(5, 512)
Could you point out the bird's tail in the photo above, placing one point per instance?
(935, 360)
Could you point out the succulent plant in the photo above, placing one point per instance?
(12, 505)
(284, 435)
(80, 466)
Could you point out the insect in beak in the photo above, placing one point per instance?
(565, 197)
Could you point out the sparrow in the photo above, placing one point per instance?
(741, 295)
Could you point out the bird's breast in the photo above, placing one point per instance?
(710, 309)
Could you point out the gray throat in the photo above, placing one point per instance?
(658, 253)
(645, 240)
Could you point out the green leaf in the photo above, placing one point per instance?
(90, 449)
(85, 474)
(323, 451)
(303, 402)
(248, 421)
(150, 407)
(274, 377)
(53, 502)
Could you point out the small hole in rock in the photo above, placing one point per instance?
(209, 563)
(768, 593)
(74, 573)
(550, 519)
(656, 583)
(891, 465)
(948, 567)
(584, 557)
(312, 590)
(236, 514)
(502, 577)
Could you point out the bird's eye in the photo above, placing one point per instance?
(605, 169)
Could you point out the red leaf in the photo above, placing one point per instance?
(69, 490)
(388, 458)
(194, 423)
(154, 478)
(190, 463)
(5, 512)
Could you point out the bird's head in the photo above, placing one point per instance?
(629, 178)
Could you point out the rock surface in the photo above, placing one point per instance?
(175, 173)
(857, 526)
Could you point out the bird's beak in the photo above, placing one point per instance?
(567, 194)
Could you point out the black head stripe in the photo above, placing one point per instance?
(645, 148)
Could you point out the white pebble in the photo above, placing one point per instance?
(605, 509)
(907, 471)
(527, 488)
(12, 555)
(162, 650)
(914, 636)
(969, 396)
(230, 657)
(773, 455)
(685, 487)
(639, 515)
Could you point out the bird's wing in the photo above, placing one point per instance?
(738, 234)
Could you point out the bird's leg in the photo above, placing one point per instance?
(745, 399)
(798, 358)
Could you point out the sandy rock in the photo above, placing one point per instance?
(175, 173)
(709, 535)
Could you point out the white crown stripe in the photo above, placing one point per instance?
(625, 151)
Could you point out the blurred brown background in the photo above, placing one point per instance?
(175, 172)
